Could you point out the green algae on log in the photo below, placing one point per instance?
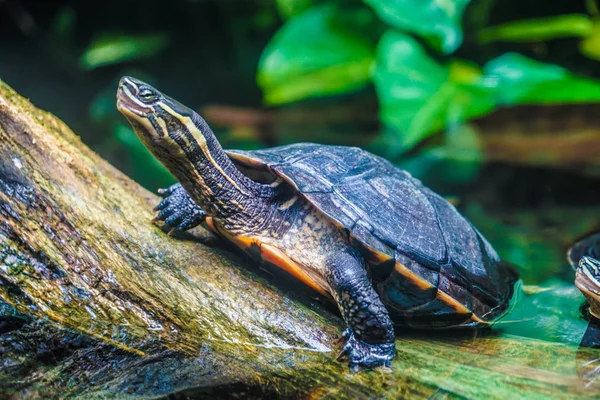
(160, 315)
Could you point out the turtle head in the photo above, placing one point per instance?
(174, 133)
(137, 99)
(587, 279)
(178, 137)
(163, 124)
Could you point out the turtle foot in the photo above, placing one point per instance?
(362, 355)
(178, 210)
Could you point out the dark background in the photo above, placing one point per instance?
(211, 57)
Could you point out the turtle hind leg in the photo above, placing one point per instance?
(369, 339)
(178, 211)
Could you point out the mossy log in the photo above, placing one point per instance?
(102, 303)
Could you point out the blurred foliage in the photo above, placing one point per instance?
(289, 8)
(64, 24)
(113, 49)
(314, 54)
(420, 92)
(519, 80)
(586, 27)
(575, 25)
(411, 54)
(429, 66)
(418, 95)
(439, 22)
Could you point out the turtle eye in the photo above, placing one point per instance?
(147, 95)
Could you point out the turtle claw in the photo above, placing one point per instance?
(174, 219)
(170, 189)
(178, 210)
(163, 204)
(362, 355)
(163, 215)
(343, 341)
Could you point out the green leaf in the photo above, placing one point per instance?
(289, 8)
(590, 46)
(519, 80)
(437, 19)
(114, 49)
(312, 55)
(419, 96)
(562, 26)
(572, 25)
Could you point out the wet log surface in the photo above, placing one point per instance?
(95, 301)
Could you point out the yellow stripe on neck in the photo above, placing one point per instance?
(201, 140)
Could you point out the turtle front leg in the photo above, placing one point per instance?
(369, 339)
(178, 210)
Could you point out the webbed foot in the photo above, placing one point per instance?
(361, 355)
(178, 210)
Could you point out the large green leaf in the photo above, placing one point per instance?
(519, 80)
(312, 55)
(433, 19)
(419, 96)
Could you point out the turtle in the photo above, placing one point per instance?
(352, 226)
(584, 257)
